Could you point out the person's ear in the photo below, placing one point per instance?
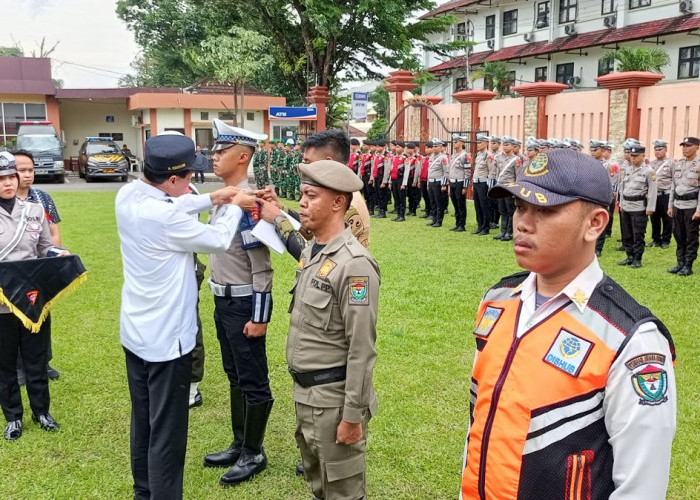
(596, 221)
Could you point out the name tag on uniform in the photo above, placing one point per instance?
(568, 352)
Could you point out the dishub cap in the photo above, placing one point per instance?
(559, 176)
(330, 174)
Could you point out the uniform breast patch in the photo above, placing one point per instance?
(488, 321)
(568, 352)
(325, 269)
(358, 295)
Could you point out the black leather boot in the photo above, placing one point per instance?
(230, 456)
(253, 459)
(687, 270)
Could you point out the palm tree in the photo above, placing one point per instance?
(638, 59)
(496, 77)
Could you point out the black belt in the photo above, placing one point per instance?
(641, 197)
(318, 377)
(687, 196)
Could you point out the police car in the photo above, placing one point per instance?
(100, 157)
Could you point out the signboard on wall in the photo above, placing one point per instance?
(292, 113)
(359, 105)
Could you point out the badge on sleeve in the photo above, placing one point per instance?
(488, 321)
(568, 352)
(649, 379)
(358, 291)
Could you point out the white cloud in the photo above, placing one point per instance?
(95, 48)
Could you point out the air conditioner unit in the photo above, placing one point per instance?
(610, 21)
(135, 120)
(528, 37)
(573, 81)
(490, 44)
(685, 6)
(570, 29)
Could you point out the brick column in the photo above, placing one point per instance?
(430, 100)
(318, 96)
(396, 84)
(624, 113)
(535, 115)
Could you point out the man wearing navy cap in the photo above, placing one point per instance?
(241, 281)
(684, 206)
(661, 223)
(158, 320)
(608, 407)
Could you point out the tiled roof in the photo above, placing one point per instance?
(649, 29)
(447, 7)
(211, 86)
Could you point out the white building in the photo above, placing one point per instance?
(561, 40)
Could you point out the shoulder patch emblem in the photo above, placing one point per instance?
(358, 291)
(651, 384)
(650, 357)
(325, 268)
(568, 352)
(488, 321)
(538, 166)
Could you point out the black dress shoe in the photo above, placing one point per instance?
(411, 213)
(197, 400)
(46, 422)
(507, 237)
(299, 469)
(493, 225)
(225, 458)
(399, 219)
(437, 224)
(625, 262)
(664, 245)
(460, 229)
(52, 372)
(499, 236)
(424, 216)
(686, 271)
(636, 264)
(393, 211)
(430, 223)
(453, 228)
(476, 231)
(13, 430)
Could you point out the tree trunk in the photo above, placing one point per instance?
(242, 105)
(235, 104)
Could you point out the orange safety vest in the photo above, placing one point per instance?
(536, 402)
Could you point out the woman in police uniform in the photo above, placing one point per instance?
(24, 234)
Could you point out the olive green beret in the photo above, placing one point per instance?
(330, 174)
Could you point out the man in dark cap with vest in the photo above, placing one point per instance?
(684, 206)
(332, 332)
(158, 321)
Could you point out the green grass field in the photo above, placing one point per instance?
(432, 281)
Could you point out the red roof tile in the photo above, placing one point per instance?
(447, 7)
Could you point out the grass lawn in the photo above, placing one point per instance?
(432, 281)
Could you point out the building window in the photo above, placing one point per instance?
(689, 62)
(567, 11)
(542, 15)
(461, 84)
(541, 74)
(461, 33)
(565, 72)
(491, 27)
(204, 115)
(510, 22)
(607, 7)
(225, 115)
(635, 4)
(605, 67)
(250, 116)
(11, 113)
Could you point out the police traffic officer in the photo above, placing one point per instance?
(498, 158)
(661, 223)
(458, 174)
(637, 201)
(241, 281)
(332, 331)
(607, 361)
(437, 179)
(509, 169)
(684, 207)
(484, 178)
(596, 148)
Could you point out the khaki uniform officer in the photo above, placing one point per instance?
(661, 223)
(637, 201)
(684, 206)
(332, 331)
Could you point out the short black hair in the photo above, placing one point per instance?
(157, 178)
(24, 152)
(334, 142)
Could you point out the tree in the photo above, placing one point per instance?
(638, 59)
(378, 129)
(496, 77)
(15, 51)
(380, 98)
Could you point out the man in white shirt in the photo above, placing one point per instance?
(158, 321)
(572, 392)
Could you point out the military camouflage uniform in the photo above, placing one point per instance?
(260, 168)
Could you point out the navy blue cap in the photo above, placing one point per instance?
(559, 176)
(637, 149)
(169, 154)
(428, 144)
(690, 141)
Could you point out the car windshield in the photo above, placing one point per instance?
(103, 149)
(38, 142)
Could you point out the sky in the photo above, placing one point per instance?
(95, 48)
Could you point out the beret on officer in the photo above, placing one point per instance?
(169, 153)
(7, 163)
(226, 136)
(330, 174)
(690, 141)
(557, 177)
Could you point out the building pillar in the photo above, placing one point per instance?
(319, 98)
(470, 99)
(187, 118)
(53, 113)
(624, 114)
(398, 82)
(535, 113)
(154, 122)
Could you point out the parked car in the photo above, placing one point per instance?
(100, 157)
(41, 140)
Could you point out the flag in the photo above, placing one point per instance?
(31, 287)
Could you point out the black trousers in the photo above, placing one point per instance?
(437, 201)
(199, 173)
(611, 211)
(426, 196)
(685, 232)
(381, 194)
(661, 223)
(399, 197)
(482, 207)
(459, 202)
(160, 394)
(15, 339)
(600, 242)
(506, 207)
(634, 227)
(368, 193)
(244, 359)
(414, 195)
(495, 212)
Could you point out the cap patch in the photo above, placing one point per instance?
(538, 166)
